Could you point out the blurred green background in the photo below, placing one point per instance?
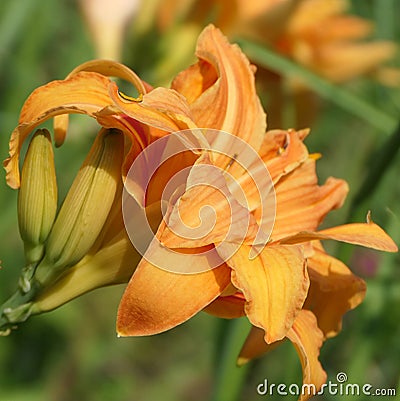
(73, 353)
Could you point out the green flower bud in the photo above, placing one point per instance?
(37, 199)
(112, 260)
(85, 208)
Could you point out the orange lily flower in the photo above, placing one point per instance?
(156, 300)
(287, 287)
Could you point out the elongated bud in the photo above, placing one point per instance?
(37, 199)
(86, 206)
(113, 262)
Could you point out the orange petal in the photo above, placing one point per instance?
(161, 108)
(106, 68)
(274, 140)
(308, 339)
(86, 90)
(161, 170)
(228, 307)
(301, 204)
(274, 284)
(207, 212)
(224, 79)
(334, 290)
(281, 152)
(83, 93)
(111, 68)
(364, 234)
(156, 300)
(288, 156)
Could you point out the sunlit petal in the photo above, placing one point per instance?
(162, 108)
(224, 79)
(262, 279)
(364, 234)
(156, 300)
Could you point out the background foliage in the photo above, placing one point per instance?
(73, 353)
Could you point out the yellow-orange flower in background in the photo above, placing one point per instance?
(318, 34)
(291, 289)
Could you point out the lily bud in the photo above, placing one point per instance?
(37, 199)
(112, 260)
(86, 206)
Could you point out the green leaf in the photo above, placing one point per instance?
(380, 162)
(230, 378)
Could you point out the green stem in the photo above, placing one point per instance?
(18, 307)
(229, 377)
(330, 91)
(379, 164)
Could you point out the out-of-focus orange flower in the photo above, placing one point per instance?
(322, 37)
(318, 34)
(290, 289)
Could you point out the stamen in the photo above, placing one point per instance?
(229, 164)
(315, 156)
(285, 145)
(130, 98)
